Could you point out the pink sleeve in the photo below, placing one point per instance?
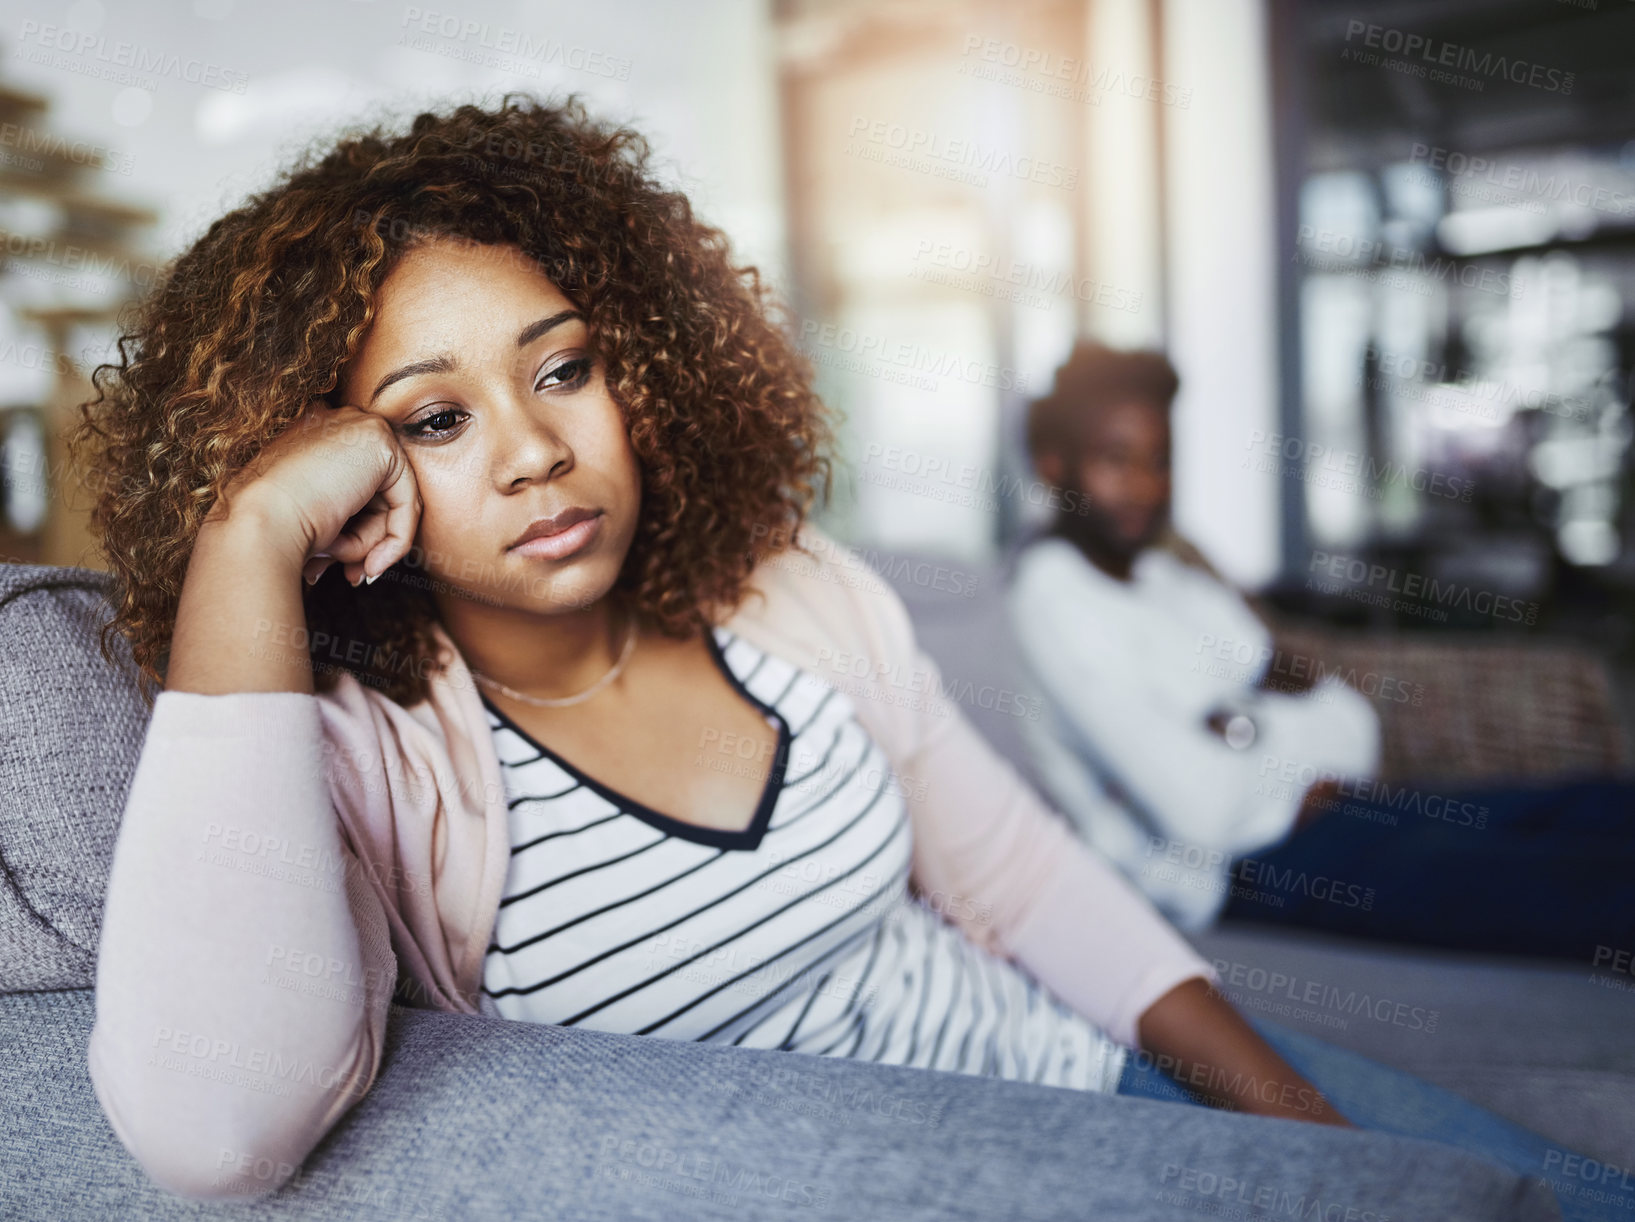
(992, 857)
(245, 968)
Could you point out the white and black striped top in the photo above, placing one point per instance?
(797, 933)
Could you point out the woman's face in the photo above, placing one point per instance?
(484, 370)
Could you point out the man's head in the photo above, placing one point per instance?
(1103, 433)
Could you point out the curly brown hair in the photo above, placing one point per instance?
(263, 312)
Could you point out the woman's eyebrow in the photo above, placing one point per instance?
(435, 364)
(535, 329)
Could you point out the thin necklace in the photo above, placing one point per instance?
(563, 701)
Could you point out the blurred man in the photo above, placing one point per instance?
(1221, 796)
(1154, 749)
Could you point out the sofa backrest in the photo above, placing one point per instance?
(73, 730)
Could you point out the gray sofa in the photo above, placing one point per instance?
(480, 1118)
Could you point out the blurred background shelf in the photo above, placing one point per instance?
(72, 255)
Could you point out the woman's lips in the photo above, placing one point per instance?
(562, 544)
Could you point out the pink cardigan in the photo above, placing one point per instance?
(252, 940)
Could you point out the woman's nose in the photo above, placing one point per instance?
(530, 445)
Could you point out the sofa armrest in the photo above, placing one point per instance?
(476, 1118)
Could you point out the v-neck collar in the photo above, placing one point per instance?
(747, 838)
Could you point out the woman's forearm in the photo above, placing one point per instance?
(240, 606)
(1205, 1044)
(217, 1065)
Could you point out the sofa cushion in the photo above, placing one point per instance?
(479, 1118)
(1542, 1042)
(74, 727)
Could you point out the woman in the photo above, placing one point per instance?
(493, 362)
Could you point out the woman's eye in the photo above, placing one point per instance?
(572, 374)
(423, 426)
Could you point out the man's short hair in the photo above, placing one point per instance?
(1093, 379)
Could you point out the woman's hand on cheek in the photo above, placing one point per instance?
(370, 543)
(338, 482)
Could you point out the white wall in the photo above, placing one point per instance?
(1123, 219)
(1222, 301)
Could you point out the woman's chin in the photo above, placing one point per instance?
(578, 586)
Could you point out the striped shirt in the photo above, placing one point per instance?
(797, 933)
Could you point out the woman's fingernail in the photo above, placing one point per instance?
(369, 581)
